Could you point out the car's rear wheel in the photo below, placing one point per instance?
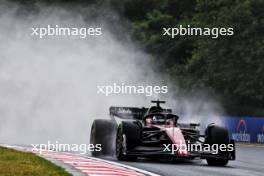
(217, 135)
(128, 137)
(102, 132)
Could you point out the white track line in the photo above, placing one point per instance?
(126, 166)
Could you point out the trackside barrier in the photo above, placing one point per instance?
(246, 129)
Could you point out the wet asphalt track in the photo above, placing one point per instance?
(249, 162)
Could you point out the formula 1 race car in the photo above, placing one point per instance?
(155, 132)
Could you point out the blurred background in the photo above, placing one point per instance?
(229, 67)
(48, 86)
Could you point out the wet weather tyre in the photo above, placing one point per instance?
(128, 137)
(217, 135)
(103, 132)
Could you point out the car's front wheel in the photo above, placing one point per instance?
(217, 135)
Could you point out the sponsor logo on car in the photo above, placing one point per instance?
(125, 111)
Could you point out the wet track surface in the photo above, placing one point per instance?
(249, 162)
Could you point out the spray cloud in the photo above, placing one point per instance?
(48, 86)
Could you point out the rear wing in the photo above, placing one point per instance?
(128, 112)
(131, 112)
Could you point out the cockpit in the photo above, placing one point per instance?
(160, 119)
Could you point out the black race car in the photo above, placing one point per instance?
(155, 132)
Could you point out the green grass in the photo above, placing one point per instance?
(16, 163)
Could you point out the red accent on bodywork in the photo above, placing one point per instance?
(177, 138)
(148, 122)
